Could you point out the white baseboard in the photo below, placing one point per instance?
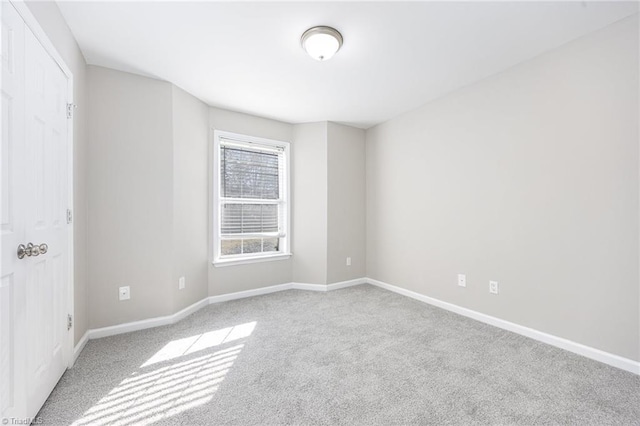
(345, 284)
(248, 293)
(79, 347)
(571, 346)
(328, 287)
(308, 287)
(128, 327)
(286, 286)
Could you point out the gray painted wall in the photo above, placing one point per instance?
(150, 202)
(50, 19)
(190, 195)
(346, 231)
(328, 203)
(309, 167)
(130, 201)
(530, 178)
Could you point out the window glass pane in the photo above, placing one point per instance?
(271, 244)
(249, 218)
(229, 247)
(249, 174)
(252, 246)
(248, 246)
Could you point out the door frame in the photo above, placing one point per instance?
(32, 24)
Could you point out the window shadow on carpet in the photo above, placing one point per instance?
(182, 375)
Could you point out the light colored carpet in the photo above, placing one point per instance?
(360, 355)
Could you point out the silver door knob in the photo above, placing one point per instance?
(31, 250)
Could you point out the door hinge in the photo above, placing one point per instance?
(69, 216)
(70, 108)
(69, 322)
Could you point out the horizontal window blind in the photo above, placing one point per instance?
(249, 218)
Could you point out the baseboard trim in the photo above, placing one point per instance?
(147, 323)
(248, 293)
(79, 347)
(308, 287)
(328, 287)
(345, 284)
(559, 342)
(128, 327)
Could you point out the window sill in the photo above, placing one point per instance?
(259, 259)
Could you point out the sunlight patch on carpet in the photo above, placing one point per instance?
(170, 386)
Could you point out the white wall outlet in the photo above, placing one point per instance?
(462, 280)
(181, 283)
(493, 287)
(124, 293)
(348, 261)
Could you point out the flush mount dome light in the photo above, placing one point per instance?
(321, 43)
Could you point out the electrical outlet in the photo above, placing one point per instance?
(181, 283)
(348, 261)
(493, 287)
(124, 293)
(462, 280)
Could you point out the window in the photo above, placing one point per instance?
(250, 199)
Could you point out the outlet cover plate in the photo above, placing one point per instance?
(462, 280)
(493, 287)
(124, 293)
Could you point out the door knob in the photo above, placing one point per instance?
(31, 250)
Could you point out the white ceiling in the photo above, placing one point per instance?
(396, 56)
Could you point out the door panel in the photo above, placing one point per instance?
(47, 274)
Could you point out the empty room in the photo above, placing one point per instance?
(320, 213)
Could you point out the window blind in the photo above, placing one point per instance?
(250, 190)
(249, 219)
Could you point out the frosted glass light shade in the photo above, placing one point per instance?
(321, 43)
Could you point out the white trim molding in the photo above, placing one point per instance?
(35, 27)
(79, 347)
(257, 259)
(559, 342)
(248, 293)
(147, 323)
(328, 287)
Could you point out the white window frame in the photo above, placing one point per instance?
(284, 210)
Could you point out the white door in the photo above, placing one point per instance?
(36, 216)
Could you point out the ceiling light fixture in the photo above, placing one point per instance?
(321, 43)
